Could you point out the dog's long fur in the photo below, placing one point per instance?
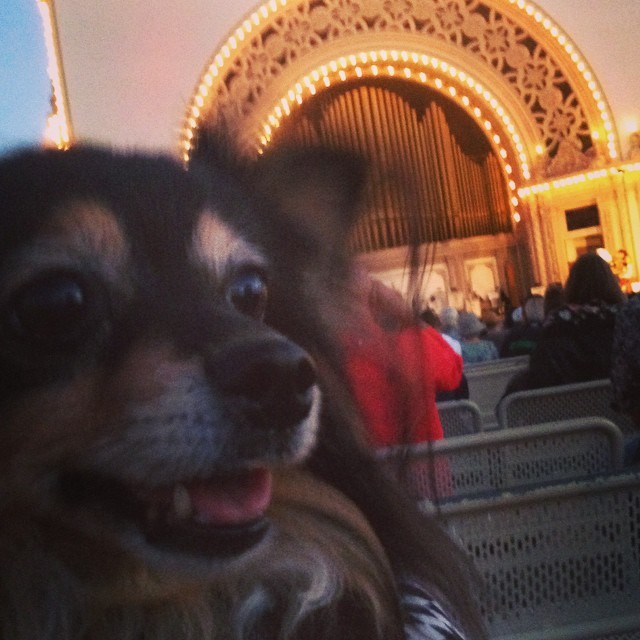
(141, 358)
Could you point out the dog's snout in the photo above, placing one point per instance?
(275, 377)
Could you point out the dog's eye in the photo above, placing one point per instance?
(248, 293)
(52, 310)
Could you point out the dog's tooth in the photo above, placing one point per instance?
(181, 502)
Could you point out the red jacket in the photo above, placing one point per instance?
(394, 379)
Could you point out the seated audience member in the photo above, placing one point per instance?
(496, 331)
(396, 365)
(474, 348)
(576, 340)
(462, 391)
(522, 338)
(625, 360)
(449, 322)
(553, 297)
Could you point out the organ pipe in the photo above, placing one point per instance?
(424, 186)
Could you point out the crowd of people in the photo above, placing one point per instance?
(586, 329)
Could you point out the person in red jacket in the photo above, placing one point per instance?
(395, 365)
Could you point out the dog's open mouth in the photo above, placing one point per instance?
(221, 515)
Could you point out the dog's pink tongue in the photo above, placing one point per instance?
(231, 500)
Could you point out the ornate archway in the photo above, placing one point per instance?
(504, 63)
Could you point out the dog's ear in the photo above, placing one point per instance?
(318, 188)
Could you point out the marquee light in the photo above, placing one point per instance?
(57, 130)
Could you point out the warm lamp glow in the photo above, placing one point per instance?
(604, 254)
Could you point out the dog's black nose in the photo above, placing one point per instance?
(274, 379)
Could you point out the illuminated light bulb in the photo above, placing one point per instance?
(312, 90)
(423, 76)
(477, 112)
(226, 52)
(374, 69)
(407, 72)
(199, 101)
(487, 125)
(353, 61)
(358, 72)
(208, 79)
(333, 65)
(539, 149)
(343, 63)
(342, 75)
(516, 217)
(383, 55)
(264, 12)
(363, 57)
(526, 174)
(508, 169)
(452, 91)
(503, 152)
(514, 201)
(465, 101)
(595, 135)
(327, 81)
(395, 56)
(233, 42)
(391, 70)
(438, 83)
(203, 90)
(512, 185)
(554, 32)
(219, 60)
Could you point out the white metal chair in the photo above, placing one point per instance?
(459, 417)
(487, 383)
(561, 402)
(489, 462)
(557, 563)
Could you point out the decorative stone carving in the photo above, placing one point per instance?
(478, 28)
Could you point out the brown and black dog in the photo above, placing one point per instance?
(178, 455)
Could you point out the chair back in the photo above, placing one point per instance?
(459, 417)
(560, 562)
(593, 398)
(487, 383)
(494, 461)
